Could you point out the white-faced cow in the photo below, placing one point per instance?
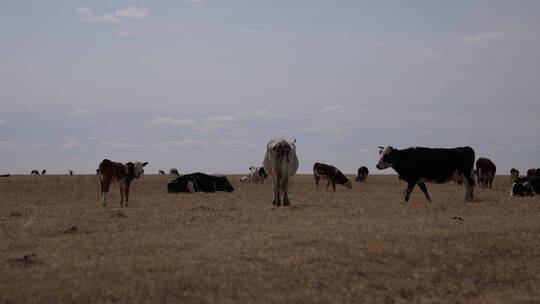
(174, 172)
(43, 172)
(331, 174)
(34, 172)
(124, 174)
(161, 172)
(485, 172)
(280, 162)
(257, 175)
(419, 165)
(514, 174)
(526, 186)
(362, 175)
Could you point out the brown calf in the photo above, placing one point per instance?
(331, 174)
(124, 174)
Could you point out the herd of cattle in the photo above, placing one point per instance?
(415, 166)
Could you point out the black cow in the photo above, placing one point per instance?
(5, 175)
(200, 182)
(419, 165)
(526, 186)
(362, 175)
(533, 172)
(44, 171)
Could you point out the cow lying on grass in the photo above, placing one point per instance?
(526, 186)
(199, 182)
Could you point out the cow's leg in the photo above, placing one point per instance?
(275, 185)
(407, 192)
(334, 185)
(327, 185)
(317, 179)
(105, 184)
(286, 192)
(424, 189)
(468, 181)
(122, 187)
(126, 195)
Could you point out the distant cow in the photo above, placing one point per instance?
(257, 174)
(362, 175)
(485, 172)
(124, 174)
(526, 186)
(280, 163)
(97, 171)
(43, 172)
(70, 172)
(161, 172)
(174, 172)
(419, 165)
(34, 172)
(514, 174)
(200, 182)
(331, 174)
(244, 179)
(533, 172)
(4, 175)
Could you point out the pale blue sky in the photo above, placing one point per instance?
(203, 85)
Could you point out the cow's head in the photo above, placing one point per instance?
(386, 159)
(137, 168)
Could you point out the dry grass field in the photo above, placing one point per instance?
(359, 246)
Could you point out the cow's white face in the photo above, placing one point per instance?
(348, 184)
(138, 168)
(383, 162)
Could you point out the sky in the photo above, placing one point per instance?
(203, 85)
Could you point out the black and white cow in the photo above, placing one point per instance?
(70, 172)
(161, 172)
(362, 175)
(44, 171)
(34, 172)
(331, 174)
(257, 175)
(420, 165)
(526, 186)
(199, 182)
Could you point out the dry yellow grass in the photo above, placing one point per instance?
(364, 245)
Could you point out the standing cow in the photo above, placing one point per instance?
(174, 172)
(533, 172)
(34, 172)
(514, 174)
(485, 172)
(124, 174)
(161, 172)
(70, 172)
(280, 162)
(362, 175)
(331, 174)
(420, 165)
(44, 171)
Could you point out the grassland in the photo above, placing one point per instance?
(360, 246)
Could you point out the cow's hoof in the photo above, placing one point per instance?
(104, 205)
(286, 203)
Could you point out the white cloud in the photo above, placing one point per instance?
(219, 122)
(333, 109)
(483, 38)
(269, 114)
(185, 144)
(81, 114)
(123, 33)
(88, 15)
(431, 55)
(172, 121)
(72, 145)
(7, 145)
(38, 146)
(133, 12)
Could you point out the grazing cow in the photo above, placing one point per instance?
(161, 172)
(4, 175)
(244, 179)
(70, 172)
(331, 174)
(514, 174)
(526, 186)
(43, 172)
(200, 182)
(34, 172)
(124, 174)
(174, 172)
(362, 175)
(257, 174)
(485, 172)
(280, 162)
(419, 165)
(533, 172)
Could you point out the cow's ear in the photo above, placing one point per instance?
(294, 141)
(380, 148)
(144, 164)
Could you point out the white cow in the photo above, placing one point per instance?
(280, 162)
